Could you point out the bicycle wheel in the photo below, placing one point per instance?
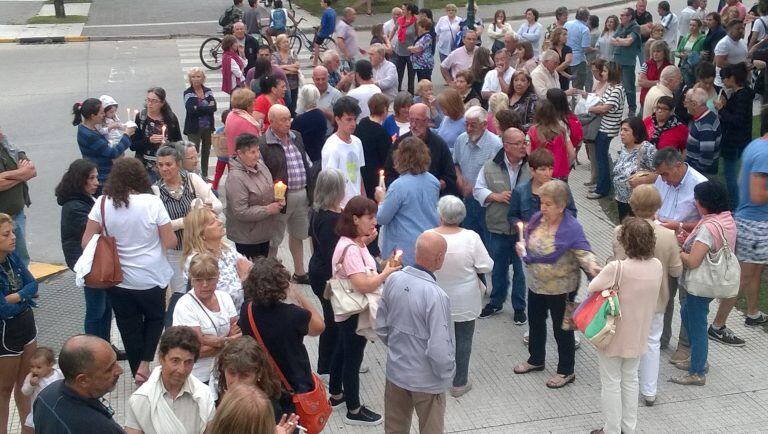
(294, 41)
(211, 53)
(328, 44)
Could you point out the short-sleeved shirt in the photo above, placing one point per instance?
(347, 33)
(753, 160)
(677, 202)
(627, 164)
(262, 104)
(142, 256)
(611, 121)
(735, 52)
(470, 157)
(578, 40)
(362, 94)
(425, 59)
(356, 260)
(190, 312)
(348, 158)
(491, 81)
(229, 280)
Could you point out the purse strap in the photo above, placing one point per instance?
(205, 311)
(257, 335)
(103, 217)
(341, 259)
(616, 277)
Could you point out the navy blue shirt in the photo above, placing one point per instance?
(60, 410)
(525, 204)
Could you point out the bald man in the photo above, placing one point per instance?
(328, 97)
(414, 321)
(493, 190)
(73, 405)
(283, 152)
(248, 45)
(441, 164)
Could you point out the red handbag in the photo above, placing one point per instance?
(106, 271)
(313, 407)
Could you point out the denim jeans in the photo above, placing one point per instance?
(628, 81)
(464, 331)
(602, 146)
(475, 219)
(139, 315)
(345, 366)
(502, 250)
(98, 313)
(731, 174)
(19, 228)
(694, 313)
(539, 305)
(330, 336)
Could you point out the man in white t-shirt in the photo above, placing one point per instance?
(365, 88)
(346, 37)
(497, 79)
(343, 151)
(732, 49)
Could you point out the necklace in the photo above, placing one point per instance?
(14, 280)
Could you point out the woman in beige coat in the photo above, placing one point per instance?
(639, 277)
(645, 201)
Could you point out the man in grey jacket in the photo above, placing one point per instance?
(414, 321)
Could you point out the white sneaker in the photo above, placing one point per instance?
(576, 341)
(526, 337)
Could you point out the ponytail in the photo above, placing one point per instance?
(84, 110)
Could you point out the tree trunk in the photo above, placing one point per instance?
(58, 6)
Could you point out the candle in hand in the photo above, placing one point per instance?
(128, 114)
(135, 113)
(381, 179)
(163, 132)
(280, 188)
(520, 227)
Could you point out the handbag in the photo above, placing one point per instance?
(344, 299)
(106, 271)
(640, 173)
(718, 274)
(596, 316)
(219, 144)
(313, 407)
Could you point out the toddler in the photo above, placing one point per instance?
(42, 372)
(112, 129)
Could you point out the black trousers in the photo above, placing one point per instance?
(345, 367)
(330, 336)
(539, 306)
(400, 63)
(251, 251)
(139, 314)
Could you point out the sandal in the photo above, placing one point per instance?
(140, 379)
(560, 380)
(526, 367)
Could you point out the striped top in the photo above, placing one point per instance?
(177, 207)
(611, 121)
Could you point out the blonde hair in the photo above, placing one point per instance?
(194, 226)
(5, 218)
(243, 99)
(195, 70)
(422, 85)
(645, 201)
(498, 101)
(280, 38)
(451, 7)
(556, 190)
(244, 410)
(203, 266)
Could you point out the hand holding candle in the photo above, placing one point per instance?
(521, 242)
(396, 260)
(280, 188)
(381, 179)
(163, 134)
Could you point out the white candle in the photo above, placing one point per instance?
(381, 179)
(163, 132)
(520, 227)
(128, 114)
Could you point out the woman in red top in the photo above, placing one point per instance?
(549, 131)
(272, 91)
(232, 66)
(664, 128)
(650, 71)
(559, 100)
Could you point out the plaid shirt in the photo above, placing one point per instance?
(297, 177)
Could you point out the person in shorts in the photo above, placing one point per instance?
(327, 27)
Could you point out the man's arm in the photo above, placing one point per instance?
(440, 346)
(11, 178)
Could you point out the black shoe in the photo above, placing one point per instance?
(489, 310)
(364, 417)
(337, 402)
(121, 355)
(754, 322)
(301, 280)
(520, 317)
(725, 336)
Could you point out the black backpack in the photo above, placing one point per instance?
(227, 17)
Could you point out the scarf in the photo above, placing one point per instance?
(569, 235)
(402, 26)
(672, 122)
(246, 116)
(226, 70)
(713, 223)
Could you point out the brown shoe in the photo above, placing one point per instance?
(686, 365)
(681, 355)
(689, 380)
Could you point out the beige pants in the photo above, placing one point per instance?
(400, 403)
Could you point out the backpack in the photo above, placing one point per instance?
(227, 18)
(278, 19)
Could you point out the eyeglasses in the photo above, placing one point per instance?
(518, 143)
(205, 280)
(152, 101)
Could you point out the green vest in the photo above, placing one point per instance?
(497, 180)
(11, 200)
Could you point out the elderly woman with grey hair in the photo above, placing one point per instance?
(329, 192)
(199, 123)
(180, 191)
(465, 260)
(189, 155)
(398, 123)
(311, 123)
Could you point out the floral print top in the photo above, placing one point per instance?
(560, 277)
(229, 280)
(425, 59)
(629, 162)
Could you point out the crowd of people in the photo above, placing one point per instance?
(413, 197)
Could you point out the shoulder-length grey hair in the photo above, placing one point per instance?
(309, 95)
(451, 210)
(329, 189)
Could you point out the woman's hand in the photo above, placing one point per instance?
(243, 267)
(520, 249)
(157, 138)
(287, 424)
(368, 239)
(274, 207)
(720, 102)
(379, 194)
(388, 269)
(130, 131)
(594, 269)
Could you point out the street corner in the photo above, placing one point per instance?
(42, 271)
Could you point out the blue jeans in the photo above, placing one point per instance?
(19, 227)
(98, 313)
(502, 250)
(694, 315)
(628, 81)
(731, 173)
(602, 146)
(475, 219)
(464, 332)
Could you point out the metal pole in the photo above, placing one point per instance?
(471, 14)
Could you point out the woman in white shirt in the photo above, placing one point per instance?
(465, 259)
(531, 30)
(447, 28)
(211, 314)
(142, 232)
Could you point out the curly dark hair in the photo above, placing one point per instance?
(179, 337)
(127, 175)
(638, 238)
(712, 196)
(74, 179)
(244, 355)
(267, 282)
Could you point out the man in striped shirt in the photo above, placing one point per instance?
(703, 145)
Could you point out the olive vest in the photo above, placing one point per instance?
(497, 180)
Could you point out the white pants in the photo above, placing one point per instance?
(649, 362)
(177, 283)
(618, 396)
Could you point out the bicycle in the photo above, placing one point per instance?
(297, 38)
(211, 52)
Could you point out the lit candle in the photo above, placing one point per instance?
(135, 113)
(520, 227)
(381, 179)
(398, 254)
(280, 188)
(128, 114)
(163, 134)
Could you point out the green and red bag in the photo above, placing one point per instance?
(596, 316)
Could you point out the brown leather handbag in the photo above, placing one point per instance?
(105, 270)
